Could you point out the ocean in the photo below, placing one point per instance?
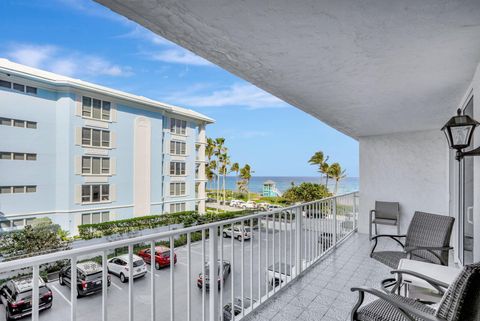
(346, 185)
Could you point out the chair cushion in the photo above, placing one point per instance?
(390, 258)
(380, 310)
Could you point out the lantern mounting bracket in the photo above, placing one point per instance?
(474, 152)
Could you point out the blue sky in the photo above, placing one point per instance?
(82, 39)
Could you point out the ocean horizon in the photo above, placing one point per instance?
(346, 185)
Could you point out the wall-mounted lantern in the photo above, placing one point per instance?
(459, 132)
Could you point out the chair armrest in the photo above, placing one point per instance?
(393, 237)
(438, 285)
(407, 310)
(430, 249)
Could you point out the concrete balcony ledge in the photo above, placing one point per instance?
(323, 293)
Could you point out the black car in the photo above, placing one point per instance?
(89, 278)
(226, 272)
(237, 308)
(16, 296)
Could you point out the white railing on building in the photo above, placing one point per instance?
(284, 244)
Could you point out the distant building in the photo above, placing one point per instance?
(81, 153)
(270, 189)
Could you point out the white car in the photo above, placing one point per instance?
(234, 203)
(239, 204)
(238, 233)
(119, 266)
(249, 205)
(263, 206)
(274, 207)
(281, 272)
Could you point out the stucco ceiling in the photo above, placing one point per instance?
(364, 67)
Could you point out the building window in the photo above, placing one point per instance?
(18, 123)
(18, 156)
(177, 189)
(95, 108)
(18, 87)
(95, 165)
(177, 168)
(178, 126)
(95, 218)
(178, 148)
(95, 193)
(95, 137)
(18, 189)
(177, 207)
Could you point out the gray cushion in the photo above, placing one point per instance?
(387, 210)
(380, 310)
(384, 221)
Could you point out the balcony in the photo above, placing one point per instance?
(274, 258)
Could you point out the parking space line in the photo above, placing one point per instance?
(60, 293)
(118, 287)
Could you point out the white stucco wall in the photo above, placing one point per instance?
(410, 168)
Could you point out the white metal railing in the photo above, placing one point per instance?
(283, 244)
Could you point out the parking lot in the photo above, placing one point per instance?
(89, 308)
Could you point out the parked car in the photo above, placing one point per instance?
(234, 203)
(263, 206)
(226, 272)
(229, 315)
(16, 296)
(238, 233)
(162, 256)
(210, 200)
(280, 273)
(89, 277)
(119, 266)
(249, 205)
(274, 207)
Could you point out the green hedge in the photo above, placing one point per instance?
(91, 231)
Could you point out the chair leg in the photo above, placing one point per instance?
(398, 228)
(376, 231)
(370, 230)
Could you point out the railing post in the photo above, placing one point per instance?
(35, 292)
(354, 211)
(334, 209)
(298, 240)
(213, 267)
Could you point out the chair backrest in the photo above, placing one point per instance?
(427, 229)
(461, 301)
(387, 210)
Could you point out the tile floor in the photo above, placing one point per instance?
(323, 293)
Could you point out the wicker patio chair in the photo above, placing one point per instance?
(427, 239)
(461, 302)
(385, 213)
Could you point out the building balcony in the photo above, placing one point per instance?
(293, 262)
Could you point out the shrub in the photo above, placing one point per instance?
(306, 192)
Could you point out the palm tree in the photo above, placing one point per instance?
(246, 175)
(325, 169)
(235, 168)
(319, 160)
(335, 171)
(224, 160)
(218, 151)
(209, 152)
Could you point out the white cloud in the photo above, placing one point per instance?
(165, 50)
(244, 95)
(180, 56)
(64, 62)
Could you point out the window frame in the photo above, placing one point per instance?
(177, 207)
(178, 189)
(179, 168)
(17, 87)
(178, 148)
(88, 141)
(178, 126)
(90, 105)
(90, 217)
(88, 198)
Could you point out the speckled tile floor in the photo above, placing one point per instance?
(323, 293)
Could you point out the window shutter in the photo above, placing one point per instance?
(78, 105)
(113, 166)
(78, 194)
(78, 136)
(78, 165)
(113, 112)
(113, 140)
(113, 192)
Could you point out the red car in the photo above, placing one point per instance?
(162, 256)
